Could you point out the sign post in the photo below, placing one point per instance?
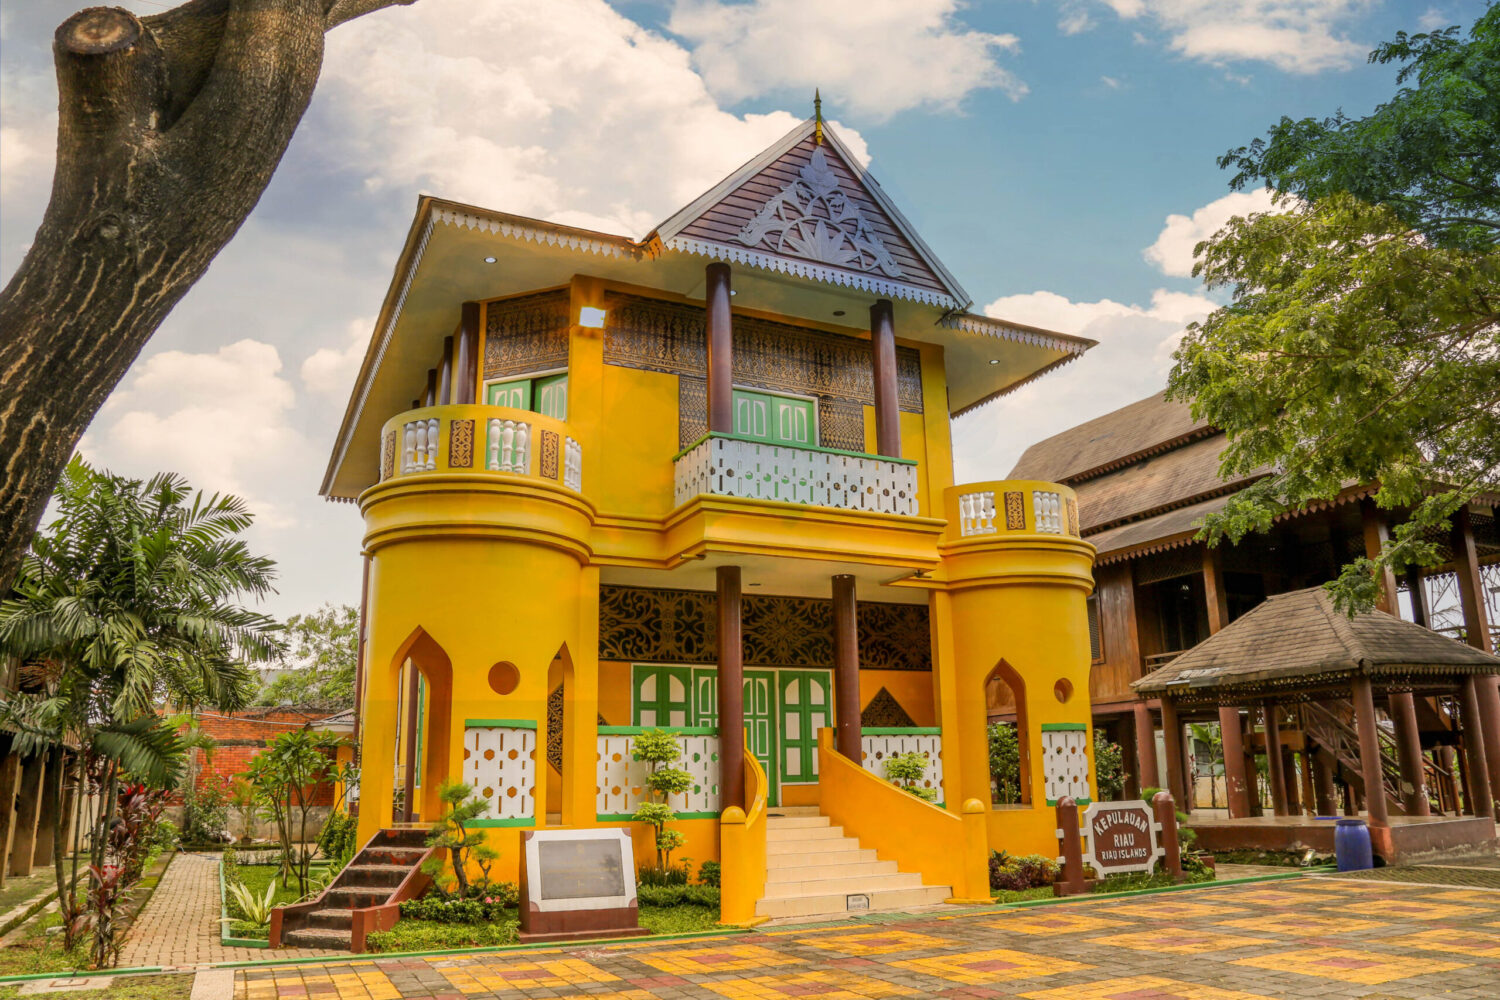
(578, 884)
(1118, 838)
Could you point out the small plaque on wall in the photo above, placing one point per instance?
(578, 884)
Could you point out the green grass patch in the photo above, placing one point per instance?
(1017, 895)
(37, 951)
(428, 935)
(256, 878)
(683, 919)
(177, 987)
(21, 889)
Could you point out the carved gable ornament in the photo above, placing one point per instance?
(813, 218)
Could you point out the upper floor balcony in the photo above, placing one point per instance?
(474, 438)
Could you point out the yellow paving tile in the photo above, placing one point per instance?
(1180, 940)
(1138, 987)
(1485, 897)
(1309, 924)
(1281, 897)
(1055, 922)
(832, 985)
(876, 942)
(716, 958)
(977, 967)
(1171, 909)
(1366, 968)
(1410, 908)
(1481, 944)
(490, 975)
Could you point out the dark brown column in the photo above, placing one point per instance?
(1418, 592)
(731, 652)
(413, 720)
(10, 782)
(1447, 762)
(1470, 586)
(429, 395)
(1145, 747)
(445, 374)
(1274, 772)
(1213, 589)
(720, 353)
(1489, 718)
(466, 358)
(1377, 533)
(883, 355)
(1403, 709)
(1369, 751)
(1236, 788)
(51, 803)
(1325, 793)
(28, 811)
(846, 667)
(1293, 791)
(1252, 772)
(1171, 738)
(1473, 735)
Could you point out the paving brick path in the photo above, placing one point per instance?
(179, 928)
(1299, 938)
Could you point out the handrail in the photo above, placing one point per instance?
(742, 849)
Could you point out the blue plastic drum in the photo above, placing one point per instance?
(1351, 845)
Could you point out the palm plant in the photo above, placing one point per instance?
(125, 601)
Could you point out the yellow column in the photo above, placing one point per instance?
(581, 711)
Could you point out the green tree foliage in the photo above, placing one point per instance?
(287, 775)
(1109, 767)
(906, 771)
(1362, 343)
(660, 750)
(453, 834)
(126, 600)
(323, 648)
(1005, 762)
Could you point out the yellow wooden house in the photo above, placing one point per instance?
(703, 481)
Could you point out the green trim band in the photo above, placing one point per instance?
(1077, 802)
(630, 817)
(725, 435)
(901, 731)
(497, 723)
(674, 730)
(514, 821)
(1065, 727)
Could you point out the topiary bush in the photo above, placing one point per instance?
(709, 874)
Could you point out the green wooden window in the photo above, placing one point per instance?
(661, 696)
(805, 702)
(760, 716)
(775, 419)
(545, 394)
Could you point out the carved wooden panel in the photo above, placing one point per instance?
(1015, 511)
(461, 444)
(680, 626)
(388, 456)
(526, 334)
(841, 424)
(884, 712)
(692, 409)
(1072, 517)
(548, 463)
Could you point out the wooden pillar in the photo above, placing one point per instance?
(719, 331)
(1171, 734)
(1252, 772)
(1403, 709)
(846, 667)
(1235, 786)
(466, 357)
(1473, 736)
(1369, 750)
(1325, 793)
(1274, 772)
(51, 804)
(28, 810)
(731, 652)
(883, 357)
(1447, 762)
(1213, 589)
(1377, 533)
(359, 655)
(429, 395)
(413, 721)
(1488, 699)
(1420, 613)
(10, 782)
(1293, 782)
(1470, 586)
(1145, 747)
(445, 374)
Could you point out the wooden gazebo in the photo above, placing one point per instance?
(1296, 653)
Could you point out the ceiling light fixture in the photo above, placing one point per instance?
(994, 361)
(489, 260)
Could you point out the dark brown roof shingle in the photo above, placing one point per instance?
(1131, 430)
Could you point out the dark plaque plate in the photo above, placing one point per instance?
(580, 869)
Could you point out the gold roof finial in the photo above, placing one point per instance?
(817, 118)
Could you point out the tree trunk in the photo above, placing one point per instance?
(169, 128)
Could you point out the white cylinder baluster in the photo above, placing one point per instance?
(492, 446)
(507, 443)
(573, 465)
(408, 448)
(521, 458)
(987, 512)
(432, 443)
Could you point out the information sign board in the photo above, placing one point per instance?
(1121, 837)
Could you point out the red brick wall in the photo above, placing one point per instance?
(244, 734)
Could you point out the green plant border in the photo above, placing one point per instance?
(226, 921)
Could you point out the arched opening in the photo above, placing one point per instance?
(1009, 737)
(561, 719)
(424, 684)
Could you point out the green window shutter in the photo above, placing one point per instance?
(792, 421)
(752, 414)
(804, 710)
(661, 696)
(552, 396)
(516, 394)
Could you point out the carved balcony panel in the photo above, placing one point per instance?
(480, 439)
(730, 466)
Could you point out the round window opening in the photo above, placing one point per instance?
(504, 677)
(1063, 689)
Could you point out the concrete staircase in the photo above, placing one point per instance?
(379, 876)
(812, 869)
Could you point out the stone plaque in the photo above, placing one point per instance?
(580, 869)
(856, 901)
(1121, 837)
(578, 884)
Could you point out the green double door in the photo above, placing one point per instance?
(784, 709)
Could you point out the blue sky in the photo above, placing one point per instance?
(1041, 147)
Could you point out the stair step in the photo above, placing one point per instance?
(843, 856)
(318, 937)
(775, 812)
(331, 918)
(355, 897)
(803, 835)
(405, 856)
(374, 876)
(838, 869)
(838, 903)
(795, 822)
(844, 885)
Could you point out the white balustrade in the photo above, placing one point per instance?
(749, 469)
(621, 780)
(1046, 508)
(877, 748)
(419, 446)
(572, 465)
(508, 446)
(976, 513)
(500, 765)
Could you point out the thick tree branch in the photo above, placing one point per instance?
(339, 11)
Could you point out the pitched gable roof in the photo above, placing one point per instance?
(1144, 427)
(808, 208)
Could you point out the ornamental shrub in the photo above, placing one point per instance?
(709, 874)
(483, 905)
(677, 895)
(661, 750)
(1031, 871)
(906, 770)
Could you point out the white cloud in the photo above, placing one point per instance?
(330, 371)
(874, 57)
(1110, 82)
(1075, 21)
(1432, 19)
(1172, 252)
(1296, 36)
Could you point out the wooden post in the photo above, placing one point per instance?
(1325, 793)
(1274, 772)
(731, 685)
(429, 395)
(1171, 733)
(51, 803)
(719, 331)
(1237, 790)
(1369, 750)
(413, 720)
(1213, 589)
(1377, 533)
(1165, 811)
(1447, 762)
(1145, 746)
(1420, 613)
(883, 357)
(10, 782)
(1470, 586)
(466, 359)
(1488, 699)
(1293, 785)
(29, 795)
(1403, 709)
(445, 374)
(1473, 736)
(846, 667)
(1071, 883)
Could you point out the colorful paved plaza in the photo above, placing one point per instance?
(1301, 938)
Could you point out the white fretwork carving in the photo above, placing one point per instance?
(1065, 764)
(876, 750)
(500, 764)
(508, 446)
(730, 468)
(813, 217)
(1047, 509)
(976, 513)
(621, 781)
